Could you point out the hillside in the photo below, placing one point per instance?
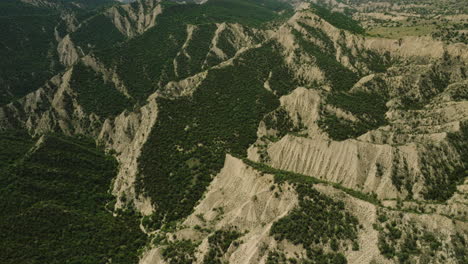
(242, 132)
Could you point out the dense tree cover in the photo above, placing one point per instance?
(338, 20)
(53, 202)
(28, 46)
(225, 41)
(461, 248)
(400, 177)
(13, 8)
(88, 4)
(95, 94)
(377, 62)
(339, 128)
(318, 220)
(97, 33)
(275, 257)
(192, 134)
(27, 49)
(245, 12)
(145, 68)
(341, 78)
(369, 108)
(442, 184)
(190, 61)
(13, 145)
(219, 243)
(374, 61)
(363, 104)
(179, 252)
(145, 63)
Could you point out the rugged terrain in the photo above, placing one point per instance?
(244, 131)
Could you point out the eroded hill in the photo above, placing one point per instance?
(259, 132)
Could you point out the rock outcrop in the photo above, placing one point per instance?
(134, 19)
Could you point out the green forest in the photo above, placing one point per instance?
(95, 94)
(27, 49)
(368, 108)
(53, 197)
(28, 46)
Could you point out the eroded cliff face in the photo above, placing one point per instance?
(371, 161)
(126, 135)
(134, 19)
(67, 51)
(52, 107)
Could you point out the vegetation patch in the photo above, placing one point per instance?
(319, 35)
(282, 176)
(280, 121)
(27, 49)
(146, 68)
(377, 62)
(460, 248)
(442, 181)
(192, 58)
(97, 33)
(340, 77)
(14, 145)
(180, 252)
(339, 128)
(219, 244)
(370, 110)
(405, 242)
(318, 221)
(338, 20)
(402, 31)
(225, 43)
(361, 104)
(97, 95)
(221, 117)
